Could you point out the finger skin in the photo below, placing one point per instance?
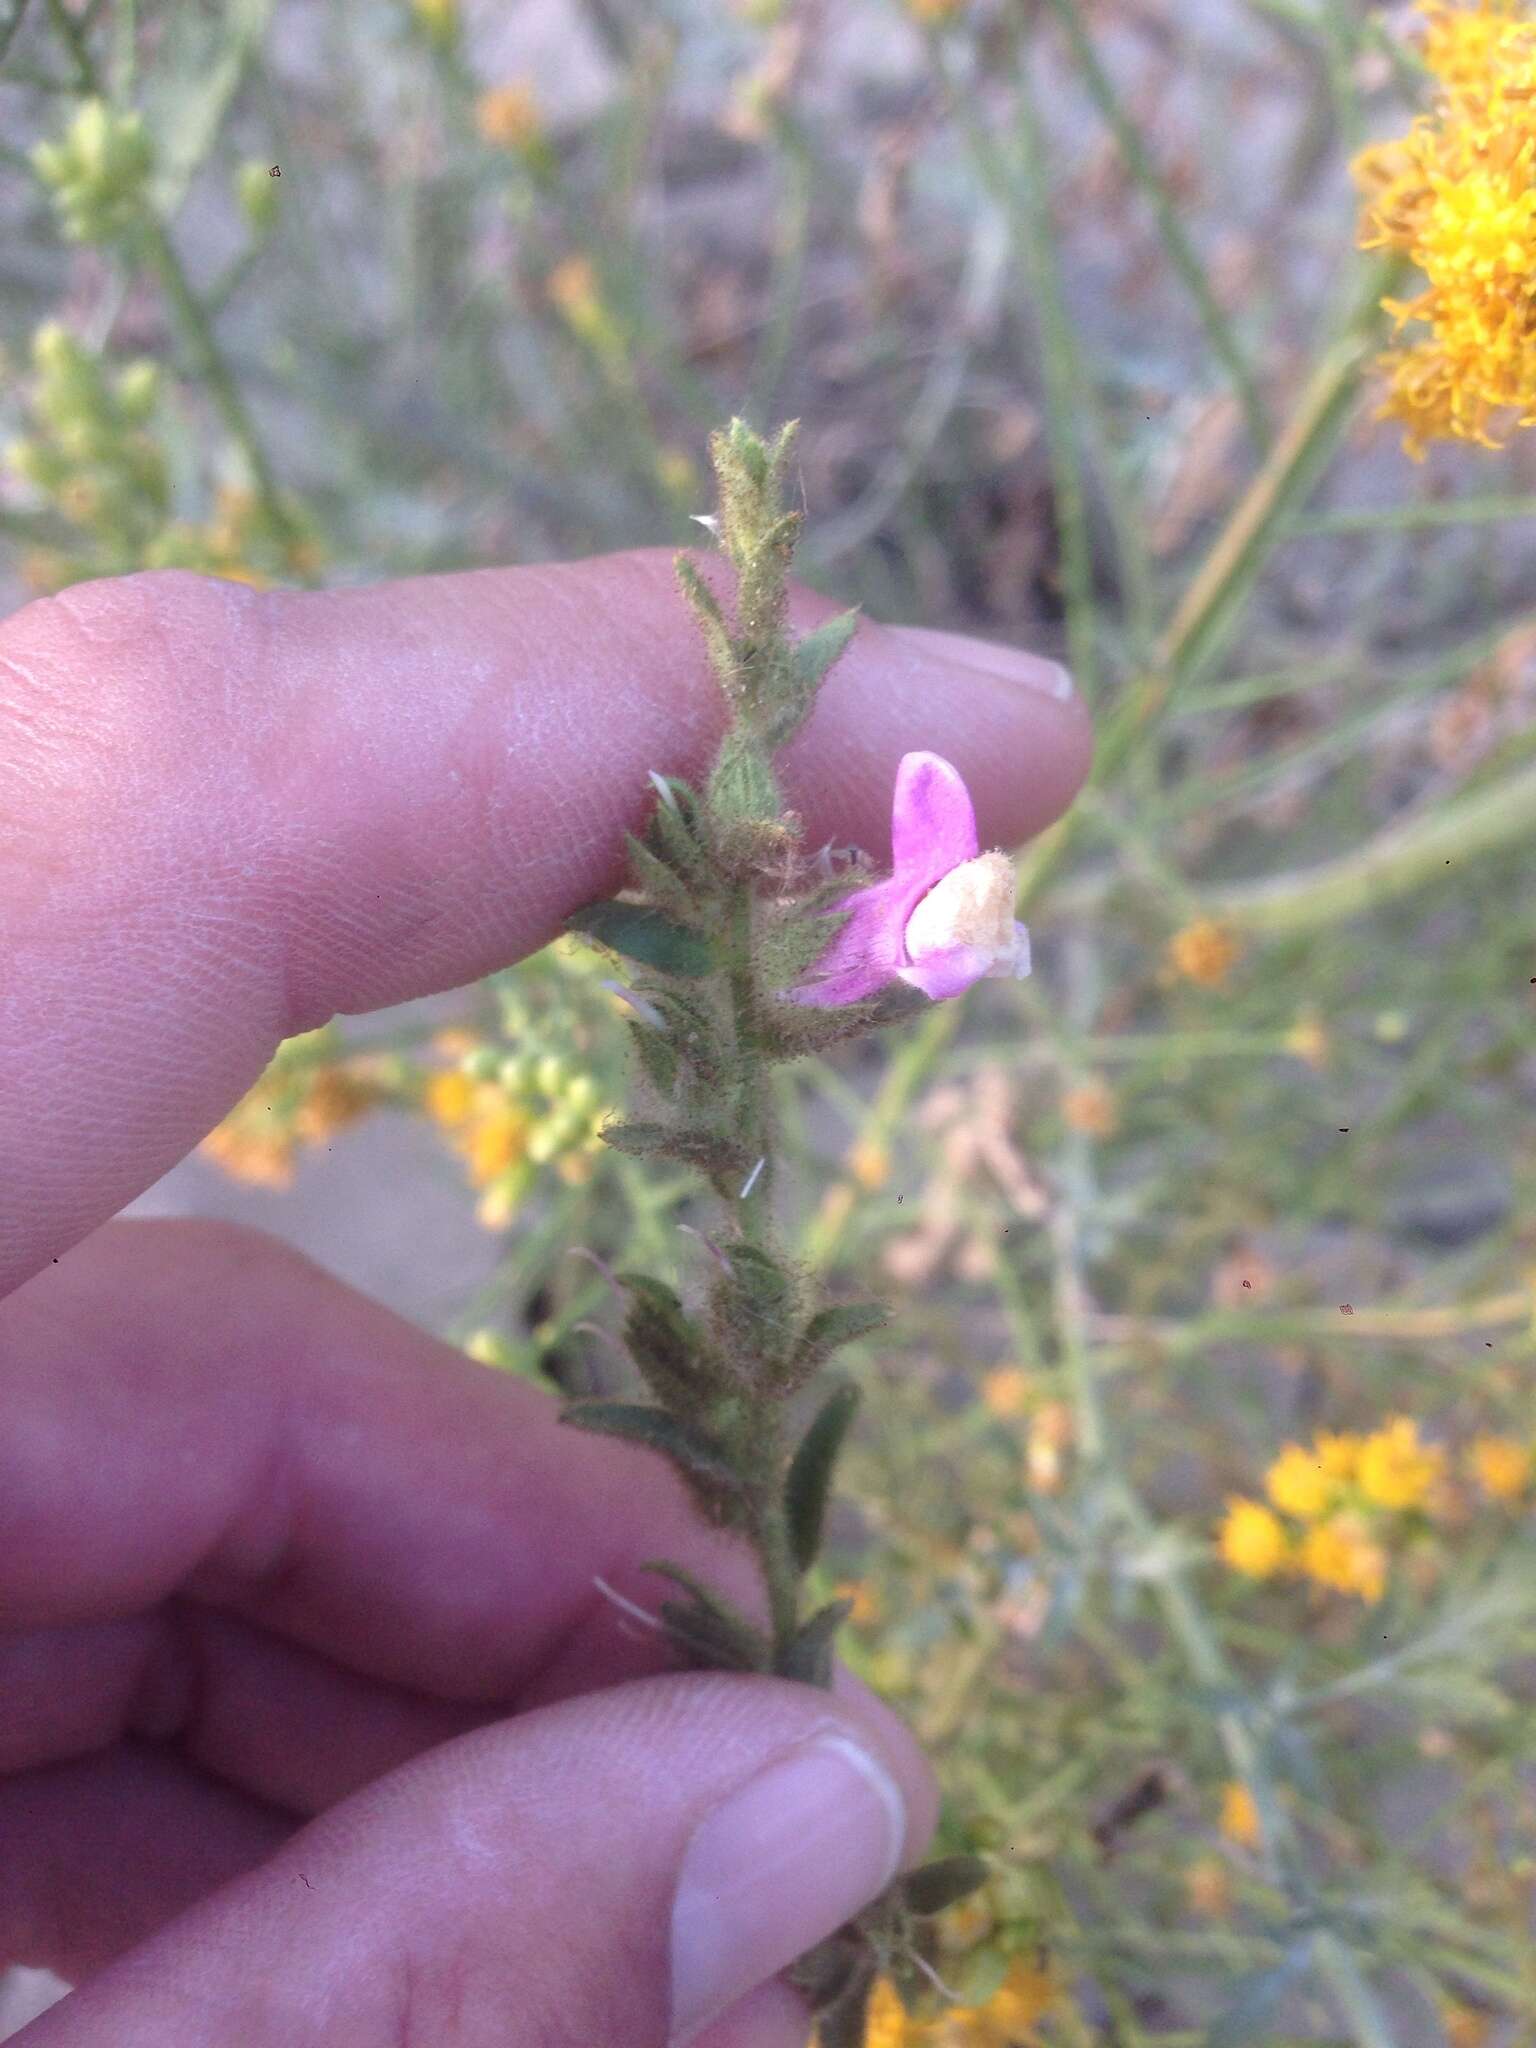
(467, 1899)
(199, 1410)
(88, 1823)
(226, 815)
(419, 1561)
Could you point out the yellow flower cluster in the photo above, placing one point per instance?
(98, 172)
(1457, 195)
(94, 461)
(236, 543)
(1008, 2019)
(1323, 1518)
(508, 1116)
(303, 1099)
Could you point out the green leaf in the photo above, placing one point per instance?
(828, 1330)
(691, 1030)
(717, 637)
(662, 1340)
(676, 831)
(942, 1883)
(705, 1150)
(808, 1655)
(657, 1059)
(691, 1449)
(824, 1974)
(710, 1626)
(796, 1029)
(842, 2018)
(668, 890)
(646, 935)
(809, 1480)
(820, 648)
(742, 788)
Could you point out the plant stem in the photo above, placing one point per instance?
(197, 331)
(192, 318)
(1058, 365)
(1181, 252)
(1408, 855)
(761, 1434)
(1212, 603)
(754, 1111)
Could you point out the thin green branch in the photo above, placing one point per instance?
(1474, 511)
(198, 334)
(1059, 367)
(1406, 856)
(1182, 254)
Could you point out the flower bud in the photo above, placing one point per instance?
(98, 173)
(259, 194)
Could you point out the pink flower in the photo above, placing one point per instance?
(943, 919)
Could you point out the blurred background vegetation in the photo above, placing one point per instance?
(1067, 297)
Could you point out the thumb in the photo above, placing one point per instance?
(617, 1870)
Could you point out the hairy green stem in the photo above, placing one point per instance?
(753, 1217)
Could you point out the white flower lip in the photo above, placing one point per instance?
(971, 906)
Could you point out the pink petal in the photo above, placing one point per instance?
(865, 954)
(948, 973)
(933, 823)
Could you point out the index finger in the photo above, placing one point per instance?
(226, 815)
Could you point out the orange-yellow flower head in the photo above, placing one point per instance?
(1240, 1821)
(1252, 1539)
(1457, 195)
(1501, 1466)
(1298, 1485)
(1343, 1557)
(1396, 1470)
(1203, 952)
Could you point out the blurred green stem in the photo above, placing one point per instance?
(197, 332)
(1181, 252)
(1403, 857)
(1058, 361)
(1212, 603)
(191, 316)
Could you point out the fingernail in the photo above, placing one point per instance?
(779, 1866)
(1012, 664)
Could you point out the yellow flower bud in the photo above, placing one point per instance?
(1252, 1539)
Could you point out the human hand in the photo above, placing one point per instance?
(312, 1726)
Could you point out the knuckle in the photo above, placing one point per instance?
(102, 672)
(108, 692)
